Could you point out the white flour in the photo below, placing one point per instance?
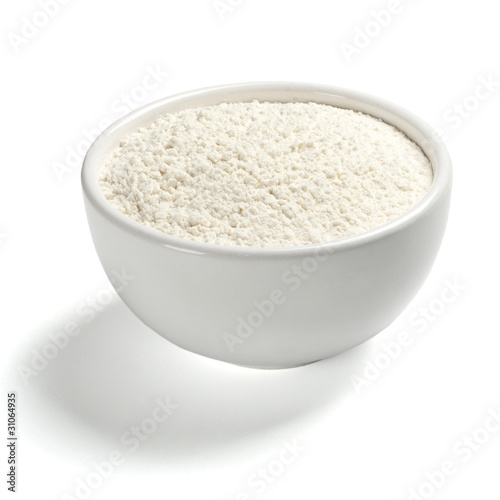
(265, 174)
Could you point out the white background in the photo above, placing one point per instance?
(378, 442)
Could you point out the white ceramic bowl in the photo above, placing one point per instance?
(270, 307)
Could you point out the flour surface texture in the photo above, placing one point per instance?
(265, 174)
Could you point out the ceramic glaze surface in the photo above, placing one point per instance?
(270, 307)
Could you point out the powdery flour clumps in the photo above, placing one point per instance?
(265, 174)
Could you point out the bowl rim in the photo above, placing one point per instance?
(428, 140)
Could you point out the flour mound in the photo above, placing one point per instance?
(265, 174)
